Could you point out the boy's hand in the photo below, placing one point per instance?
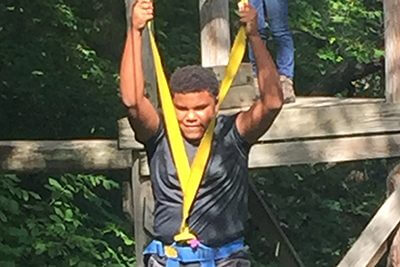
(248, 16)
(142, 12)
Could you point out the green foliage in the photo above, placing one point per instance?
(321, 208)
(177, 28)
(69, 224)
(53, 84)
(330, 32)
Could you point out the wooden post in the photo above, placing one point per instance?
(392, 93)
(143, 205)
(393, 183)
(215, 34)
(375, 234)
(392, 50)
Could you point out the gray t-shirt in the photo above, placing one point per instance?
(219, 213)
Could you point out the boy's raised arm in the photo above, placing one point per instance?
(256, 121)
(142, 114)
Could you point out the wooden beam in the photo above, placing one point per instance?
(215, 34)
(140, 191)
(36, 156)
(269, 226)
(126, 136)
(242, 93)
(128, 201)
(393, 243)
(299, 122)
(392, 50)
(378, 255)
(243, 77)
(317, 151)
(329, 118)
(375, 234)
(324, 150)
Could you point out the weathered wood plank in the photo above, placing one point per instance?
(375, 234)
(317, 151)
(328, 119)
(324, 150)
(215, 35)
(378, 255)
(392, 50)
(393, 243)
(34, 156)
(242, 92)
(241, 96)
(141, 240)
(337, 120)
(126, 136)
(244, 75)
(269, 226)
(128, 201)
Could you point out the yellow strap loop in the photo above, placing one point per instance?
(190, 177)
(172, 126)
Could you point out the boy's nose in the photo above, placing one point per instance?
(191, 115)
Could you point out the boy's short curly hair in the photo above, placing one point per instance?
(194, 78)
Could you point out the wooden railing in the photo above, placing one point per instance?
(68, 155)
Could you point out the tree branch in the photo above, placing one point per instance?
(340, 79)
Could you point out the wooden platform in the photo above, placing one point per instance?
(318, 129)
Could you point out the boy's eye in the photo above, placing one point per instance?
(180, 108)
(201, 107)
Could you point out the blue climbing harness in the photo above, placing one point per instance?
(202, 254)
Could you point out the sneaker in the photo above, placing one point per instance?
(288, 91)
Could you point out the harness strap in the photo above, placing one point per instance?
(190, 176)
(202, 254)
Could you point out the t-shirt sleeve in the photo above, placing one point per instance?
(153, 141)
(241, 143)
(229, 130)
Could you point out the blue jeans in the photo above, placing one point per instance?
(274, 14)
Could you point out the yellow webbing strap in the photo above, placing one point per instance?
(190, 177)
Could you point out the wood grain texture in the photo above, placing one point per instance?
(393, 244)
(324, 150)
(314, 118)
(215, 34)
(375, 234)
(317, 151)
(392, 50)
(244, 75)
(35, 156)
(141, 239)
(337, 119)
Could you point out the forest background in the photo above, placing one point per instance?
(59, 63)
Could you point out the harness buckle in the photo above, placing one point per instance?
(171, 252)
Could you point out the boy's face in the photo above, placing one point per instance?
(194, 111)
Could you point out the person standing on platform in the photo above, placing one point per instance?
(273, 14)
